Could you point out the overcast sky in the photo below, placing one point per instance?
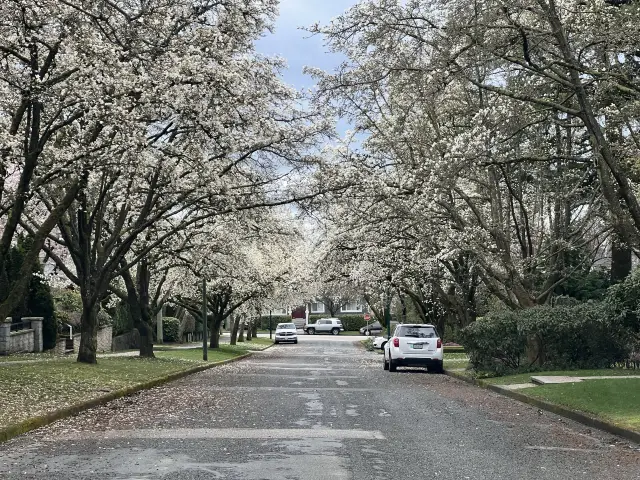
(291, 43)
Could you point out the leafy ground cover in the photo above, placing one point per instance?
(28, 356)
(221, 353)
(616, 401)
(33, 389)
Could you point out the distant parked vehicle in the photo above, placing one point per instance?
(324, 325)
(379, 342)
(416, 345)
(286, 332)
(371, 329)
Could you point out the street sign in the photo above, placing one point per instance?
(367, 317)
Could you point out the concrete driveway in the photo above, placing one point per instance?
(322, 409)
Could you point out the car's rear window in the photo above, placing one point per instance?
(285, 325)
(416, 331)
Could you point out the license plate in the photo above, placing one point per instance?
(416, 346)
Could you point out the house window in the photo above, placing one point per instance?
(351, 307)
(279, 311)
(317, 307)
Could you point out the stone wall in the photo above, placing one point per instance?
(21, 341)
(105, 339)
(76, 342)
(127, 341)
(27, 340)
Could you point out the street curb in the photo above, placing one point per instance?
(7, 433)
(553, 408)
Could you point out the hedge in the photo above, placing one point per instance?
(170, 329)
(275, 320)
(352, 322)
(581, 336)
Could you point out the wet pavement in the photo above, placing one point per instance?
(322, 409)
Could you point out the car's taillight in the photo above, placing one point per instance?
(396, 342)
(439, 345)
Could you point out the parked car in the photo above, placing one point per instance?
(324, 325)
(379, 342)
(286, 332)
(371, 329)
(415, 345)
(376, 328)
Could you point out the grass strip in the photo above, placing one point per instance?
(526, 377)
(39, 388)
(616, 401)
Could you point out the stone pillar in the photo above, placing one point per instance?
(5, 331)
(36, 325)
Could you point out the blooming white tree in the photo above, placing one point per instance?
(166, 116)
(484, 154)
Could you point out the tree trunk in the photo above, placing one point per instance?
(241, 330)
(89, 332)
(249, 330)
(235, 323)
(146, 340)
(216, 322)
(255, 328)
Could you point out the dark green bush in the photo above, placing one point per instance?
(38, 301)
(494, 342)
(581, 336)
(104, 319)
(623, 302)
(170, 329)
(122, 321)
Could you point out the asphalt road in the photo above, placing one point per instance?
(322, 409)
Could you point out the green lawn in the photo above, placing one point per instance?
(617, 401)
(526, 377)
(29, 390)
(195, 354)
(455, 360)
(255, 344)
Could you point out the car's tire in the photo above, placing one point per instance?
(295, 341)
(382, 346)
(276, 342)
(385, 364)
(392, 365)
(311, 331)
(367, 333)
(335, 331)
(438, 368)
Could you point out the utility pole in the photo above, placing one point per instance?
(387, 314)
(204, 320)
(270, 332)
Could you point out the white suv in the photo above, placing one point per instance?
(325, 325)
(414, 345)
(286, 332)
